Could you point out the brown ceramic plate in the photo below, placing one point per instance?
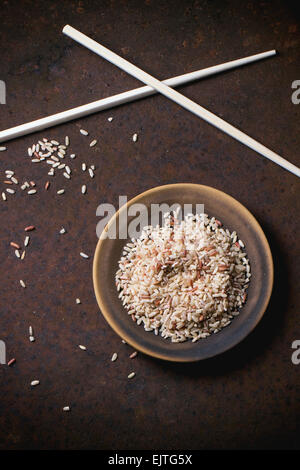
(234, 217)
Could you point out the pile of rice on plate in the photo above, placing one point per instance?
(184, 280)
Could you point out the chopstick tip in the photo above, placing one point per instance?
(65, 28)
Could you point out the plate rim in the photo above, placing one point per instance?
(108, 316)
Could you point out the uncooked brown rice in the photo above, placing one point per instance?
(184, 280)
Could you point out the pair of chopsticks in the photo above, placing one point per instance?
(121, 98)
(153, 84)
(178, 98)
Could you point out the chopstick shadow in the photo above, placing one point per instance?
(258, 341)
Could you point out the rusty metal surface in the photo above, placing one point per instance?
(246, 398)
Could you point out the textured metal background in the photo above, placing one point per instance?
(247, 398)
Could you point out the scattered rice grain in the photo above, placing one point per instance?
(133, 355)
(114, 357)
(34, 383)
(15, 245)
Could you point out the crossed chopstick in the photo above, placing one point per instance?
(152, 84)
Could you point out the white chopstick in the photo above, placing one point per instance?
(121, 98)
(179, 98)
